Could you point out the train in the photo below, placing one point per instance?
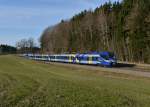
(107, 59)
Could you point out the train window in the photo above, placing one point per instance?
(52, 57)
(105, 57)
(111, 55)
(78, 58)
(64, 57)
(72, 57)
(45, 56)
(59, 57)
(84, 58)
(94, 58)
(88, 58)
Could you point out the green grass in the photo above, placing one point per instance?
(26, 83)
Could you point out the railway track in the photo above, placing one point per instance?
(137, 69)
(133, 67)
(129, 69)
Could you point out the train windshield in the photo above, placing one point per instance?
(107, 55)
(111, 55)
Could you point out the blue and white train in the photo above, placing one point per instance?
(107, 59)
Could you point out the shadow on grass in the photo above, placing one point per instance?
(124, 65)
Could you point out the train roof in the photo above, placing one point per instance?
(77, 54)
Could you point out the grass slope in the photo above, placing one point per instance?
(25, 83)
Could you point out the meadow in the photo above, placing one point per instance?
(27, 83)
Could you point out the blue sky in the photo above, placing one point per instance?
(28, 18)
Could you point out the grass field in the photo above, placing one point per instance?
(26, 83)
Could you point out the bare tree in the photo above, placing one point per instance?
(25, 45)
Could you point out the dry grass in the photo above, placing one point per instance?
(25, 83)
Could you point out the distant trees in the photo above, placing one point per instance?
(6, 49)
(123, 28)
(27, 46)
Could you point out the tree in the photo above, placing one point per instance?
(26, 45)
(121, 27)
(6, 49)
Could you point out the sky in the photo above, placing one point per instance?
(21, 19)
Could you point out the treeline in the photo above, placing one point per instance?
(123, 28)
(6, 49)
(22, 46)
(27, 46)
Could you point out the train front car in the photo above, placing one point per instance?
(108, 59)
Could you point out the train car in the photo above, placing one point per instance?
(102, 58)
(68, 58)
(99, 58)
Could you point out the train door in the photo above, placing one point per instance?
(90, 59)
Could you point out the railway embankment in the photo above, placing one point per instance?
(121, 68)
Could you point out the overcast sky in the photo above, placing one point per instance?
(28, 18)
